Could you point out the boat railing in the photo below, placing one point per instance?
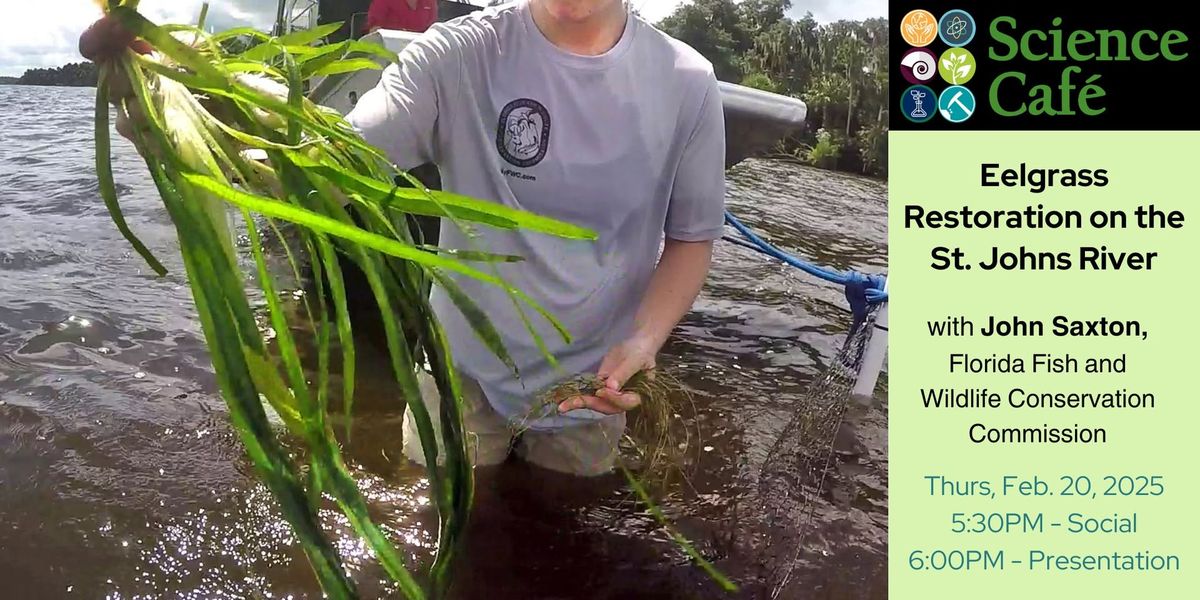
(358, 24)
(300, 15)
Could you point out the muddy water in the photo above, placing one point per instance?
(119, 477)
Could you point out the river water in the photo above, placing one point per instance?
(120, 477)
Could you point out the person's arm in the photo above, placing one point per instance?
(676, 282)
(695, 218)
(400, 114)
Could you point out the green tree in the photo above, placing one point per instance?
(74, 74)
(715, 29)
(758, 15)
(828, 149)
(760, 81)
(839, 69)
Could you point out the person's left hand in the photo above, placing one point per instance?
(622, 362)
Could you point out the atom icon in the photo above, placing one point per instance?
(956, 28)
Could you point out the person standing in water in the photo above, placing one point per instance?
(581, 111)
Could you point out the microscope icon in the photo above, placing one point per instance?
(918, 111)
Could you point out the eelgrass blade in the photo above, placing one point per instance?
(511, 292)
(283, 336)
(294, 266)
(478, 320)
(241, 66)
(453, 484)
(720, 579)
(104, 176)
(403, 369)
(308, 36)
(346, 49)
(253, 141)
(295, 97)
(316, 481)
(473, 255)
(323, 332)
(328, 266)
(461, 486)
(341, 311)
(164, 42)
(208, 79)
(338, 480)
(372, 49)
(273, 48)
(346, 66)
(312, 61)
(189, 79)
(241, 395)
(306, 54)
(418, 201)
(324, 224)
(199, 36)
(224, 319)
(239, 32)
(267, 381)
(343, 487)
(323, 335)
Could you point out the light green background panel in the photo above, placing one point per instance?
(941, 170)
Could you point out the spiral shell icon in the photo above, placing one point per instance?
(918, 65)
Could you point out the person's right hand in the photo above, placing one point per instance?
(102, 42)
(107, 39)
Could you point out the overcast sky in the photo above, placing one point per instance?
(45, 33)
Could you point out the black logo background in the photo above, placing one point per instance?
(523, 133)
(1132, 87)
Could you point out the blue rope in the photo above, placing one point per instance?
(861, 290)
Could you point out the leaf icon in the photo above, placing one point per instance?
(947, 64)
(963, 71)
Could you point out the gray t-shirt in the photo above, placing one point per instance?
(630, 143)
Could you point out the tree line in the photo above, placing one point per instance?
(839, 69)
(83, 74)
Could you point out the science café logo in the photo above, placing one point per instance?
(921, 66)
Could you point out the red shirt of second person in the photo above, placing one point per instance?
(408, 15)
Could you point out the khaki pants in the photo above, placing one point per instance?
(585, 450)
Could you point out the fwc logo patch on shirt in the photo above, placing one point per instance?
(523, 134)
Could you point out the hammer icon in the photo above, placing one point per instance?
(956, 101)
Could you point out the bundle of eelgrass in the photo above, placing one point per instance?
(658, 433)
(199, 109)
(658, 440)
